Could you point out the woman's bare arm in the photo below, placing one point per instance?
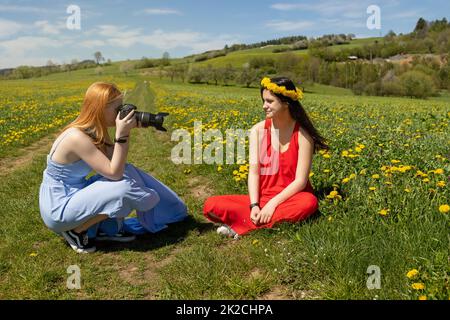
(253, 174)
(110, 168)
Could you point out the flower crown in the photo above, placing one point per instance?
(295, 95)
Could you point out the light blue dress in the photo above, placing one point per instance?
(67, 199)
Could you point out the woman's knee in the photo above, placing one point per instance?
(310, 203)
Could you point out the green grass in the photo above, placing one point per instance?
(324, 257)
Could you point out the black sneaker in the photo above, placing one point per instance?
(79, 241)
(121, 236)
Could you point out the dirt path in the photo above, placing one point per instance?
(40, 147)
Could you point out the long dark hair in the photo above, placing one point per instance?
(298, 112)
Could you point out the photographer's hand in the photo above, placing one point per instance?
(124, 126)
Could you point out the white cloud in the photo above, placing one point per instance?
(124, 37)
(93, 43)
(290, 25)
(160, 11)
(347, 9)
(9, 28)
(117, 31)
(25, 50)
(28, 9)
(404, 15)
(194, 41)
(45, 27)
(25, 45)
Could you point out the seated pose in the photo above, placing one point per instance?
(281, 151)
(70, 203)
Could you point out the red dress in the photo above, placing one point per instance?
(277, 171)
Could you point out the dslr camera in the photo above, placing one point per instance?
(145, 119)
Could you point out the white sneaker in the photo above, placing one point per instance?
(228, 232)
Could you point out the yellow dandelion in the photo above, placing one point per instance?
(441, 184)
(422, 297)
(412, 273)
(407, 190)
(445, 208)
(345, 180)
(33, 254)
(439, 171)
(372, 188)
(418, 286)
(376, 176)
(384, 212)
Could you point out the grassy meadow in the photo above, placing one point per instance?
(383, 190)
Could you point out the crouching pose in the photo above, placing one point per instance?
(71, 204)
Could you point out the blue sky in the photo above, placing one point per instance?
(33, 32)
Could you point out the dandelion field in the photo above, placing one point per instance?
(383, 190)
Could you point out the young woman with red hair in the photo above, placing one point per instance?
(70, 204)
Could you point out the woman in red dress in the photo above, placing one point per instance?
(281, 152)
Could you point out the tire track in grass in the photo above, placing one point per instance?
(10, 164)
(148, 151)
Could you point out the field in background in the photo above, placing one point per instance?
(380, 188)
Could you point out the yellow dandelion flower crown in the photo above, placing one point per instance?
(295, 95)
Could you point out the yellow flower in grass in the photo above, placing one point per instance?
(376, 176)
(412, 273)
(395, 161)
(326, 170)
(418, 286)
(422, 297)
(372, 188)
(445, 208)
(407, 190)
(352, 176)
(439, 171)
(441, 184)
(345, 180)
(219, 168)
(334, 195)
(384, 212)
